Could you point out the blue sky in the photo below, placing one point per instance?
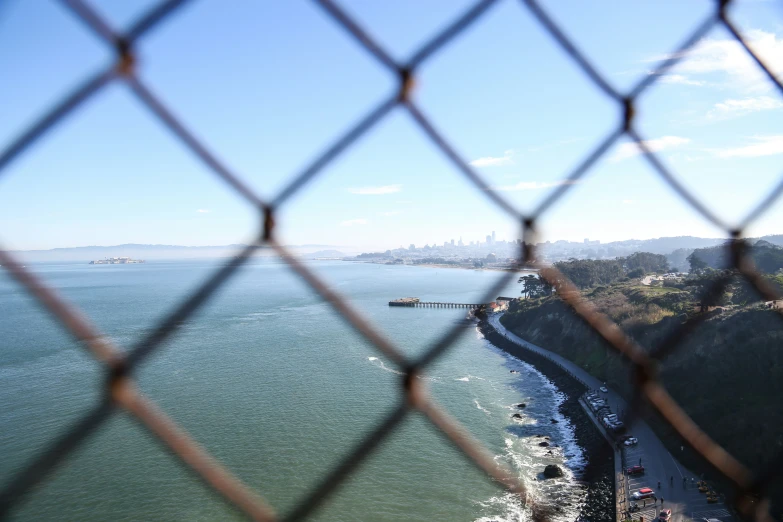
(268, 85)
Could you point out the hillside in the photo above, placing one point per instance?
(728, 375)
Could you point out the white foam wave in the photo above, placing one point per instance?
(380, 364)
(470, 378)
(565, 494)
(476, 402)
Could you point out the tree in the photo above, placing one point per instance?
(646, 261)
(534, 286)
(696, 262)
(636, 273)
(528, 284)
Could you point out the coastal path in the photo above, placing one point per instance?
(681, 496)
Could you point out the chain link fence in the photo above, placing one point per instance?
(121, 393)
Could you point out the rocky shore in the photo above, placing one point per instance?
(598, 473)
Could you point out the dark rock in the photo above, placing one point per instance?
(543, 444)
(517, 416)
(521, 405)
(553, 471)
(553, 421)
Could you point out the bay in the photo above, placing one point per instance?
(277, 386)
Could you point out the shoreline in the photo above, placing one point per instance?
(435, 265)
(598, 472)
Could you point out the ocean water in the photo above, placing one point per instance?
(278, 387)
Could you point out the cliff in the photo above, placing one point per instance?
(727, 375)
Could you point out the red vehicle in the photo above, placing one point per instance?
(643, 493)
(635, 470)
(665, 515)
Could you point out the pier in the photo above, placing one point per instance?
(414, 301)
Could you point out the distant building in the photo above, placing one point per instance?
(116, 261)
(452, 242)
(412, 247)
(491, 258)
(460, 242)
(493, 237)
(489, 240)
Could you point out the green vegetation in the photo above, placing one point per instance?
(727, 374)
(586, 273)
(767, 257)
(533, 286)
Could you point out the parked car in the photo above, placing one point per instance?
(643, 493)
(635, 470)
(612, 417)
(630, 441)
(666, 514)
(604, 389)
(618, 427)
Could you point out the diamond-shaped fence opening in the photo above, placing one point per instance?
(121, 393)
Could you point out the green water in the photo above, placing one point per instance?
(276, 386)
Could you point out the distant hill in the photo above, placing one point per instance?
(332, 254)
(666, 245)
(776, 239)
(767, 257)
(140, 251)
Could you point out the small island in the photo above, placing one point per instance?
(116, 261)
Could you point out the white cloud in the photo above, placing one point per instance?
(352, 222)
(531, 185)
(376, 191)
(736, 108)
(495, 161)
(203, 211)
(763, 146)
(727, 56)
(679, 79)
(630, 149)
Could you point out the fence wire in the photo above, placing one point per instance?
(121, 394)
